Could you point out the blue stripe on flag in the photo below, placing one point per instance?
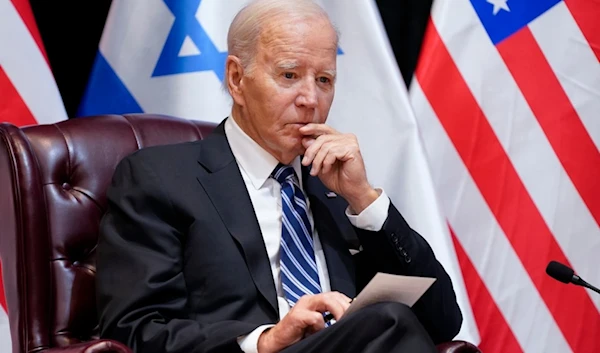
(504, 23)
(106, 93)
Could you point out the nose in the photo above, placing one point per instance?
(307, 95)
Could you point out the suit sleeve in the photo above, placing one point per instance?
(141, 290)
(398, 249)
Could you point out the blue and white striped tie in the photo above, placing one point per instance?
(299, 274)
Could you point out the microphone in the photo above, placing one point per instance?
(565, 274)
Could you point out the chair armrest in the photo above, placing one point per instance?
(457, 347)
(95, 346)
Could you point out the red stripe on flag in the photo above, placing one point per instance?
(492, 325)
(586, 14)
(503, 191)
(24, 9)
(553, 110)
(12, 107)
(2, 296)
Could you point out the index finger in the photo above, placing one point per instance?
(328, 302)
(313, 129)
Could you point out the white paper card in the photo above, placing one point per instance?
(385, 287)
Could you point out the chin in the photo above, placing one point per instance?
(296, 148)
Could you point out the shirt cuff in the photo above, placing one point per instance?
(373, 217)
(249, 343)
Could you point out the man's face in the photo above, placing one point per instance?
(290, 84)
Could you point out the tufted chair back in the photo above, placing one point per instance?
(53, 180)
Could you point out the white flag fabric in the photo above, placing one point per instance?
(28, 93)
(167, 56)
(507, 100)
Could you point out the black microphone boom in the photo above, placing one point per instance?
(566, 274)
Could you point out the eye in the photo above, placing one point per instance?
(324, 79)
(289, 75)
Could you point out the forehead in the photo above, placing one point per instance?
(297, 37)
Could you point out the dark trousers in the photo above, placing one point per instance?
(378, 328)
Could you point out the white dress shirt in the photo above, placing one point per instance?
(256, 166)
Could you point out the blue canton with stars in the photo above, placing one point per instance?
(503, 18)
(186, 24)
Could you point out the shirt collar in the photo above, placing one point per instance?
(256, 162)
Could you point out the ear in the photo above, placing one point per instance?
(234, 73)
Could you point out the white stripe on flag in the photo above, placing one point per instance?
(484, 241)
(574, 62)
(517, 129)
(4, 332)
(33, 78)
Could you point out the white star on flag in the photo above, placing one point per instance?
(499, 4)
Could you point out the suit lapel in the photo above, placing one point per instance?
(225, 187)
(337, 255)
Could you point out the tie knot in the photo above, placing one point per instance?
(283, 173)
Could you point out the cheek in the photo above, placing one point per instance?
(324, 106)
(282, 109)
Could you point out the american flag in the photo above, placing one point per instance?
(28, 95)
(507, 100)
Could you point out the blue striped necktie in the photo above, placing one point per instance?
(299, 274)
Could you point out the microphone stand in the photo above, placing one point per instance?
(577, 280)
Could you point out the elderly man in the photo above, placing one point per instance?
(240, 242)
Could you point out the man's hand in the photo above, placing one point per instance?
(305, 318)
(337, 161)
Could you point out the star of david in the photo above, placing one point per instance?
(186, 25)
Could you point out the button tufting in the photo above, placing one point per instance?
(66, 186)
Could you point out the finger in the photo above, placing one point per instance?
(308, 141)
(342, 296)
(313, 321)
(328, 162)
(342, 299)
(335, 302)
(336, 307)
(313, 149)
(345, 303)
(317, 162)
(317, 130)
(337, 151)
(304, 314)
(327, 302)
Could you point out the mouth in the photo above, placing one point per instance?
(298, 125)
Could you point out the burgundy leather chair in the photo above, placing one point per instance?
(53, 180)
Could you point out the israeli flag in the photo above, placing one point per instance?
(167, 57)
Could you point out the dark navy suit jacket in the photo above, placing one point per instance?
(182, 265)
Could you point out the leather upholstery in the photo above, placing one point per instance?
(94, 346)
(457, 347)
(53, 180)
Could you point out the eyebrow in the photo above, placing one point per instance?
(292, 64)
(331, 73)
(287, 65)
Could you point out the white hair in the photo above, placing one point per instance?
(246, 27)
